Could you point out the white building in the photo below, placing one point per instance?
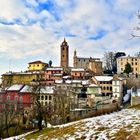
(117, 87)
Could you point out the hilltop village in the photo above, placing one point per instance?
(60, 94)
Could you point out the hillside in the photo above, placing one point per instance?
(122, 125)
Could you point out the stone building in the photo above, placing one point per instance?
(95, 66)
(81, 62)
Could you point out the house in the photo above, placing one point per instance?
(77, 73)
(133, 61)
(12, 96)
(27, 96)
(105, 82)
(118, 84)
(11, 78)
(45, 95)
(37, 65)
(54, 73)
(19, 96)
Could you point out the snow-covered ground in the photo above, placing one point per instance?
(104, 127)
(100, 128)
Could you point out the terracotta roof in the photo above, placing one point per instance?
(34, 62)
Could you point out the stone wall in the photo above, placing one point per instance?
(135, 100)
(101, 109)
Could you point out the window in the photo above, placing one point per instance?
(63, 55)
(38, 97)
(50, 97)
(38, 65)
(115, 89)
(20, 99)
(16, 98)
(8, 98)
(79, 59)
(46, 103)
(42, 97)
(46, 97)
(135, 63)
(136, 69)
(63, 48)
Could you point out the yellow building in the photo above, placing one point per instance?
(11, 78)
(37, 65)
(133, 61)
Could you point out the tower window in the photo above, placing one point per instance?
(63, 48)
(63, 55)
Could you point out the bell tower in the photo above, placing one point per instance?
(64, 54)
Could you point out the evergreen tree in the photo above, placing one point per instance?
(128, 68)
(50, 63)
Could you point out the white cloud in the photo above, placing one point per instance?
(41, 37)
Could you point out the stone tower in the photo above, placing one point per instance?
(64, 54)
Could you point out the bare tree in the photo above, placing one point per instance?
(109, 60)
(9, 116)
(136, 30)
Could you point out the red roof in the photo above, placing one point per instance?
(35, 62)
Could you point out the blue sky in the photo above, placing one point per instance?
(34, 29)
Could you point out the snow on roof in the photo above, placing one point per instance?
(77, 69)
(93, 85)
(79, 109)
(54, 68)
(47, 89)
(16, 87)
(103, 78)
(85, 82)
(57, 74)
(66, 77)
(58, 81)
(68, 81)
(22, 73)
(26, 88)
(76, 81)
(127, 57)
